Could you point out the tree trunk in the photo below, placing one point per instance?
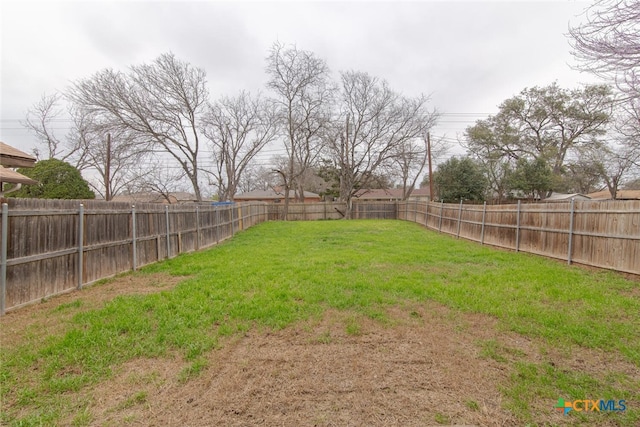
(285, 212)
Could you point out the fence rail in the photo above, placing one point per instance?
(49, 247)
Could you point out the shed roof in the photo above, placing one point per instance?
(13, 158)
(13, 177)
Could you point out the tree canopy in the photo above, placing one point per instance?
(375, 128)
(532, 178)
(549, 125)
(460, 179)
(161, 102)
(56, 180)
(124, 123)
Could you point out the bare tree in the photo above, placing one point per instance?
(162, 102)
(162, 180)
(621, 159)
(628, 123)
(609, 43)
(410, 159)
(618, 165)
(42, 119)
(258, 178)
(377, 123)
(238, 129)
(88, 144)
(117, 159)
(303, 92)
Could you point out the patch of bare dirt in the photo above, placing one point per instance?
(416, 371)
(427, 365)
(37, 321)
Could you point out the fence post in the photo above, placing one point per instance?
(484, 215)
(570, 250)
(217, 227)
(80, 245)
(166, 215)
(459, 218)
(133, 237)
(518, 228)
(3, 257)
(426, 213)
(441, 208)
(233, 221)
(197, 228)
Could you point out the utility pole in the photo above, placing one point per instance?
(430, 170)
(107, 170)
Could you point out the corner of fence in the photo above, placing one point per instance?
(80, 245)
(3, 257)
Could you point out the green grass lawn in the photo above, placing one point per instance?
(279, 273)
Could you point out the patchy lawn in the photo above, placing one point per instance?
(333, 322)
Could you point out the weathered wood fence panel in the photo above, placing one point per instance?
(54, 246)
(307, 211)
(603, 234)
(607, 235)
(375, 210)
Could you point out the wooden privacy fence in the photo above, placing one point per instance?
(49, 247)
(53, 246)
(603, 234)
(334, 210)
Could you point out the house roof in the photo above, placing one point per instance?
(566, 196)
(271, 194)
(150, 197)
(13, 177)
(140, 198)
(389, 193)
(13, 158)
(622, 195)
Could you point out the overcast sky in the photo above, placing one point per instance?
(468, 55)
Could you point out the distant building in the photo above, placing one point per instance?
(13, 158)
(392, 194)
(564, 197)
(274, 196)
(151, 197)
(621, 195)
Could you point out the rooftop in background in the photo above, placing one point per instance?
(392, 194)
(271, 195)
(13, 177)
(622, 195)
(564, 197)
(172, 198)
(13, 158)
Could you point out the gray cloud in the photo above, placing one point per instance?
(469, 55)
